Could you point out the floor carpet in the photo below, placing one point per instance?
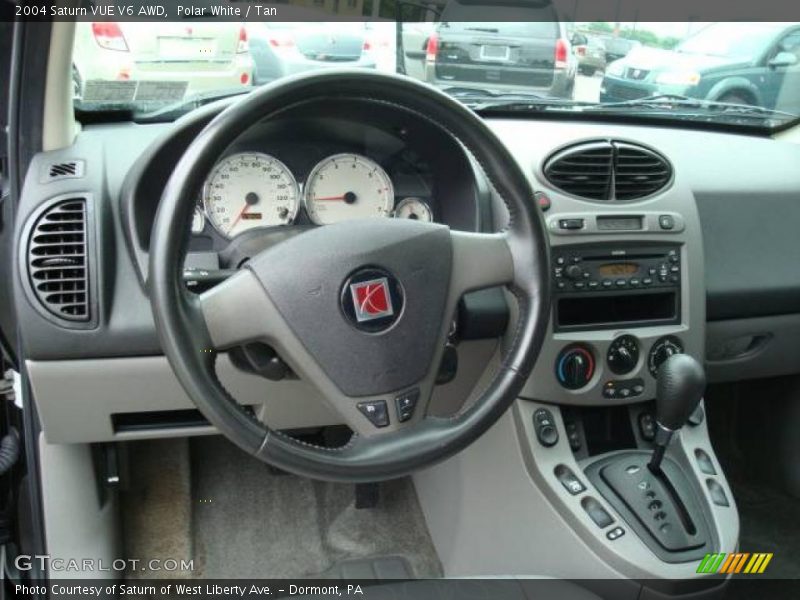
(249, 521)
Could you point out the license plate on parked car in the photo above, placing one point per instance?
(175, 48)
(495, 52)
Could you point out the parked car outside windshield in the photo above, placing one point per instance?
(151, 63)
(157, 71)
(741, 63)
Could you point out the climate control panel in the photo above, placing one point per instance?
(617, 369)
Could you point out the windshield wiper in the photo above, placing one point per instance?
(176, 109)
(677, 101)
(482, 99)
(672, 105)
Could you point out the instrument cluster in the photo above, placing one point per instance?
(253, 190)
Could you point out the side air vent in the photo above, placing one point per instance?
(608, 170)
(58, 260)
(72, 169)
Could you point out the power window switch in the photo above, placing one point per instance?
(569, 480)
(596, 512)
(615, 534)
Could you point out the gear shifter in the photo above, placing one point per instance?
(681, 382)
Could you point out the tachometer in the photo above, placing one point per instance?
(250, 190)
(347, 186)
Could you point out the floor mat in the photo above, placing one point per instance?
(249, 521)
(770, 522)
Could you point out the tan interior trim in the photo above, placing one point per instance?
(59, 125)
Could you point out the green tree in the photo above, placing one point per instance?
(600, 27)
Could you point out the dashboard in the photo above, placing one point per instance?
(726, 195)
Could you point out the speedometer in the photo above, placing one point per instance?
(347, 186)
(250, 190)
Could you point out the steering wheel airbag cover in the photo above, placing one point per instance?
(306, 288)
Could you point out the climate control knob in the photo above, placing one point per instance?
(661, 351)
(623, 354)
(575, 367)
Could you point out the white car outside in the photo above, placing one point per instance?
(132, 62)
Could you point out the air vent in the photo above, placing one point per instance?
(584, 171)
(639, 172)
(58, 260)
(608, 170)
(71, 169)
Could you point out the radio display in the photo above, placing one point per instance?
(617, 269)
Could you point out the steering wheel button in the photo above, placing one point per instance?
(405, 404)
(376, 411)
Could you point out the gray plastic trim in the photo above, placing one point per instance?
(76, 398)
(79, 523)
(503, 489)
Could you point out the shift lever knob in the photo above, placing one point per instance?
(681, 382)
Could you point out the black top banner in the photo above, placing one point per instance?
(402, 10)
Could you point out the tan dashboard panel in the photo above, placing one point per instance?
(76, 399)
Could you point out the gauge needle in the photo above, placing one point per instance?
(239, 217)
(329, 199)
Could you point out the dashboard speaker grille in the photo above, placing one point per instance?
(71, 169)
(58, 260)
(608, 170)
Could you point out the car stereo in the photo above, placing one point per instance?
(604, 285)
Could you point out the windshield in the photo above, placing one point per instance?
(737, 40)
(158, 70)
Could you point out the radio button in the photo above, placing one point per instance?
(593, 285)
(560, 260)
(622, 282)
(647, 281)
(675, 269)
(570, 224)
(579, 285)
(634, 282)
(607, 283)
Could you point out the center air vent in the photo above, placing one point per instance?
(608, 170)
(58, 260)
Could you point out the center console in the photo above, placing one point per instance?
(568, 476)
(627, 295)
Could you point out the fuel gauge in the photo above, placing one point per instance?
(413, 208)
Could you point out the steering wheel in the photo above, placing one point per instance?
(361, 309)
